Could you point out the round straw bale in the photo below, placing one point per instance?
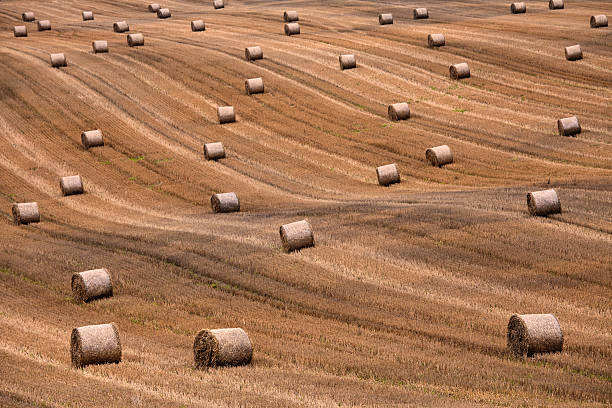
(25, 213)
(88, 15)
(347, 61)
(97, 344)
(543, 203)
(99, 46)
(292, 28)
(459, 71)
(58, 60)
(20, 31)
(164, 13)
(419, 13)
(154, 7)
(387, 174)
(218, 4)
(222, 347)
(225, 203)
(90, 285)
(214, 151)
(92, 138)
(43, 25)
(518, 8)
(296, 235)
(121, 27)
(226, 114)
(599, 21)
(534, 333)
(135, 40)
(198, 25)
(399, 111)
(253, 53)
(384, 19)
(573, 53)
(290, 16)
(556, 4)
(436, 40)
(569, 126)
(71, 185)
(28, 16)
(254, 86)
(439, 155)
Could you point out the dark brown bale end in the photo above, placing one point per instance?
(347, 61)
(25, 213)
(290, 16)
(556, 4)
(20, 31)
(253, 53)
(573, 53)
(99, 46)
(518, 8)
(198, 25)
(225, 203)
(292, 28)
(534, 333)
(436, 40)
(222, 347)
(569, 126)
(153, 7)
(58, 60)
(226, 114)
(459, 71)
(121, 27)
(214, 151)
(71, 185)
(218, 4)
(384, 19)
(439, 156)
(97, 344)
(164, 13)
(91, 285)
(399, 111)
(28, 16)
(43, 25)
(87, 15)
(92, 138)
(254, 86)
(599, 21)
(296, 235)
(135, 40)
(388, 174)
(543, 203)
(420, 13)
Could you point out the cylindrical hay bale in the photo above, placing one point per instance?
(71, 185)
(58, 60)
(214, 151)
(569, 126)
(218, 4)
(28, 16)
(254, 86)
(25, 213)
(534, 333)
(399, 111)
(225, 203)
(88, 15)
(518, 8)
(556, 4)
(43, 25)
(99, 46)
(439, 156)
(97, 344)
(599, 21)
(222, 347)
(419, 13)
(573, 53)
(226, 114)
(296, 235)
(154, 7)
(253, 53)
(292, 28)
(542, 203)
(384, 19)
(20, 31)
(164, 13)
(459, 71)
(121, 27)
(135, 40)
(91, 285)
(198, 25)
(388, 174)
(92, 138)
(347, 61)
(436, 40)
(290, 16)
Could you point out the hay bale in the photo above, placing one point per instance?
(214, 151)
(154, 7)
(88, 15)
(543, 203)
(573, 53)
(399, 111)
(556, 4)
(20, 31)
(226, 114)
(121, 27)
(599, 21)
(254, 86)
(296, 235)
(439, 156)
(92, 138)
(290, 16)
(43, 25)
(534, 333)
(218, 4)
(164, 13)
(347, 61)
(419, 13)
(222, 347)
(198, 25)
(384, 19)
(292, 28)
(253, 53)
(97, 344)
(569, 126)
(71, 185)
(135, 40)
(225, 203)
(58, 60)
(518, 8)
(91, 285)
(25, 213)
(99, 46)
(387, 174)
(459, 71)
(436, 40)
(28, 16)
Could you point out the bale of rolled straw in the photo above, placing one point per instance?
(534, 333)
(58, 60)
(254, 86)
(439, 156)
(218, 4)
(419, 13)
(71, 185)
(20, 31)
(164, 13)
(154, 7)
(91, 285)
(198, 25)
(99, 46)
(97, 344)
(226, 114)
(384, 19)
(214, 151)
(436, 40)
(28, 16)
(569, 126)
(225, 203)
(599, 21)
(253, 53)
(399, 111)
(135, 40)
(543, 203)
(387, 174)
(347, 61)
(459, 71)
(43, 25)
(88, 15)
(518, 8)
(92, 138)
(25, 213)
(296, 235)
(573, 53)
(292, 28)
(222, 347)
(556, 4)
(121, 27)
(290, 16)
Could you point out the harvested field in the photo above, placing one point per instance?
(407, 294)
